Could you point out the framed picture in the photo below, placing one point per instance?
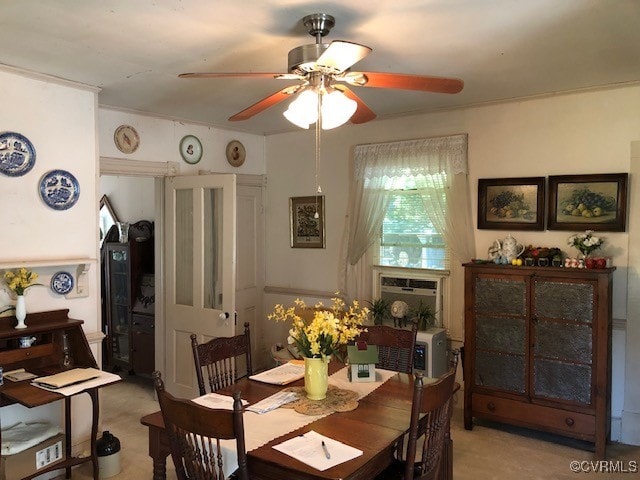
(108, 217)
(511, 203)
(588, 202)
(307, 221)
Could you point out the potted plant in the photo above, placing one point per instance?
(425, 316)
(379, 310)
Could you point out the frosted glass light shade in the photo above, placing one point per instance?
(336, 109)
(303, 111)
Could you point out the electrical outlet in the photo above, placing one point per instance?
(48, 455)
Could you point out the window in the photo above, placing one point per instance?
(408, 238)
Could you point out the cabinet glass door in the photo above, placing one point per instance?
(120, 303)
(563, 337)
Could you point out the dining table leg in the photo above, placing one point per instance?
(158, 451)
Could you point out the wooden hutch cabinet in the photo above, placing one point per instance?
(538, 349)
(129, 327)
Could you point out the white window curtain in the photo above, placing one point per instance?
(437, 168)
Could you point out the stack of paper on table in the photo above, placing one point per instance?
(216, 401)
(274, 401)
(287, 373)
(308, 449)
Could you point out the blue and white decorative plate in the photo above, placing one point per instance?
(62, 283)
(59, 189)
(17, 155)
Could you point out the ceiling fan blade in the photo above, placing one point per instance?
(340, 55)
(363, 113)
(265, 103)
(404, 81)
(232, 74)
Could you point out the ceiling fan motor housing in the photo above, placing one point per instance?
(303, 59)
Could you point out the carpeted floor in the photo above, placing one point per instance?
(485, 453)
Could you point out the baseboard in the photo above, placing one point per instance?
(630, 428)
(616, 429)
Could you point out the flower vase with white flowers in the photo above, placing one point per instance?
(586, 242)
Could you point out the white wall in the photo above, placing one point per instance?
(132, 198)
(60, 120)
(160, 141)
(581, 133)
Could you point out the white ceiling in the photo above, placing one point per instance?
(502, 49)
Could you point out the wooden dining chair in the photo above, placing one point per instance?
(218, 359)
(428, 440)
(195, 433)
(396, 346)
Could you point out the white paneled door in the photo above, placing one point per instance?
(200, 253)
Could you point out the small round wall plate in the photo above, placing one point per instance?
(191, 149)
(17, 155)
(62, 283)
(236, 153)
(126, 139)
(59, 189)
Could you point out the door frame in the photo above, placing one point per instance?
(160, 170)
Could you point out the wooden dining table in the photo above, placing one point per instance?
(374, 427)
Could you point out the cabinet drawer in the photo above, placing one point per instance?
(564, 422)
(142, 323)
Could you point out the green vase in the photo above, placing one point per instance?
(316, 377)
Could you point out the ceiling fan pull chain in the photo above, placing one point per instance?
(318, 134)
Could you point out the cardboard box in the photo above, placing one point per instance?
(32, 459)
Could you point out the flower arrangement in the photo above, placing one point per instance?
(329, 328)
(585, 242)
(20, 279)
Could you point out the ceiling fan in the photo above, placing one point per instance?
(324, 68)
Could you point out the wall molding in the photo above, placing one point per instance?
(123, 166)
(299, 292)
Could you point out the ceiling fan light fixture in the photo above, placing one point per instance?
(303, 110)
(337, 109)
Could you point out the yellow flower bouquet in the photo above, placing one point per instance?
(20, 279)
(327, 330)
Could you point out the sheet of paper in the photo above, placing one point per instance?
(281, 375)
(308, 449)
(274, 401)
(217, 401)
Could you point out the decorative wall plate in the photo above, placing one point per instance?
(126, 139)
(17, 155)
(59, 189)
(191, 149)
(62, 283)
(236, 153)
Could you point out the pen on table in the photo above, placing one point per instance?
(326, 451)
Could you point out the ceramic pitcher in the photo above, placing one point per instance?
(510, 248)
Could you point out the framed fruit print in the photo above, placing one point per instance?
(588, 202)
(511, 203)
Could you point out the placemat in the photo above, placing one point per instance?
(337, 400)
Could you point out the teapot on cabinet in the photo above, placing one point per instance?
(508, 249)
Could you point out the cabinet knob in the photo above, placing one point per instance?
(491, 407)
(569, 421)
